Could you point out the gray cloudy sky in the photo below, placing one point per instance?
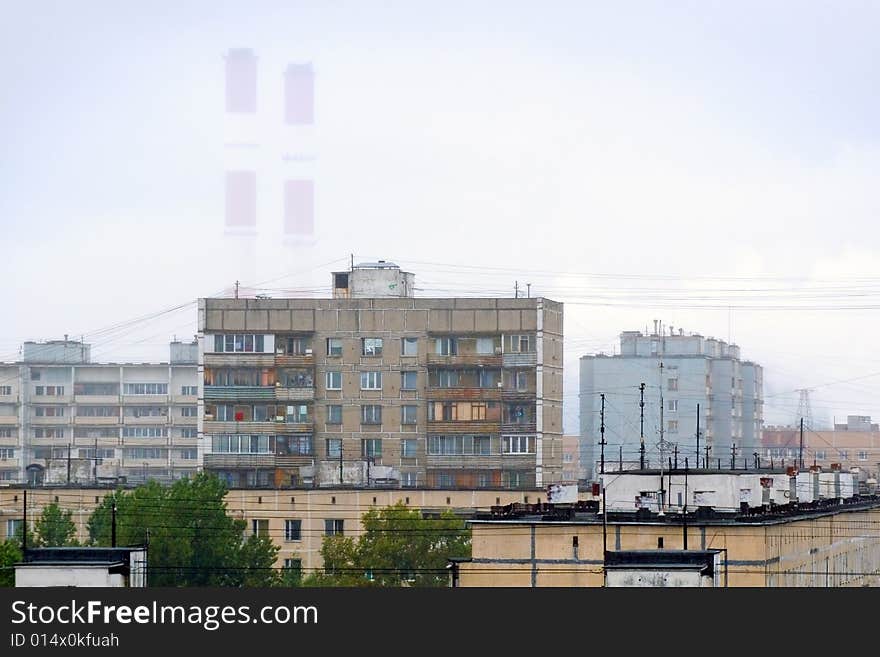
(713, 164)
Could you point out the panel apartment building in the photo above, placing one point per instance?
(377, 387)
(695, 370)
(66, 419)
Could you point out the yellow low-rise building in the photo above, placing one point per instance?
(296, 519)
(832, 547)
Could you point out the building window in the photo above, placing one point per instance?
(5, 390)
(189, 391)
(334, 448)
(371, 414)
(13, 527)
(293, 530)
(293, 569)
(484, 480)
(146, 411)
(260, 527)
(409, 346)
(49, 432)
(672, 384)
(145, 389)
(6, 453)
(371, 380)
(409, 414)
(485, 346)
(297, 413)
(517, 444)
(334, 380)
(520, 344)
(863, 455)
(49, 391)
(513, 479)
(296, 346)
(334, 346)
(371, 447)
(408, 447)
(239, 343)
(672, 405)
(820, 455)
(446, 346)
(408, 380)
(334, 526)
(144, 432)
(334, 414)
(409, 479)
(188, 411)
(146, 453)
(445, 480)
(843, 454)
(454, 445)
(521, 380)
(672, 426)
(189, 454)
(189, 432)
(567, 457)
(447, 378)
(371, 346)
(49, 411)
(6, 432)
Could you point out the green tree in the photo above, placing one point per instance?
(54, 527)
(398, 547)
(10, 554)
(192, 539)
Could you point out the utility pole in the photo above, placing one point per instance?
(602, 436)
(698, 436)
(684, 515)
(801, 449)
(24, 528)
(340, 458)
(733, 456)
(642, 425)
(113, 524)
(757, 460)
(68, 464)
(620, 459)
(708, 449)
(96, 461)
(675, 454)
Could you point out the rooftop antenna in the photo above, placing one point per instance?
(516, 289)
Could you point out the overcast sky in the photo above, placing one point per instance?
(700, 160)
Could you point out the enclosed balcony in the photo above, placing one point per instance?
(452, 350)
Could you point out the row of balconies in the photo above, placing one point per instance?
(308, 360)
(90, 421)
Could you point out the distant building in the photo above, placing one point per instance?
(83, 566)
(378, 387)
(695, 370)
(66, 419)
(855, 444)
(571, 459)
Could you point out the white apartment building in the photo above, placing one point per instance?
(65, 419)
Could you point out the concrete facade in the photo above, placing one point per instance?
(850, 448)
(57, 408)
(695, 370)
(446, 393)
(295, 520)
(821, 549)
